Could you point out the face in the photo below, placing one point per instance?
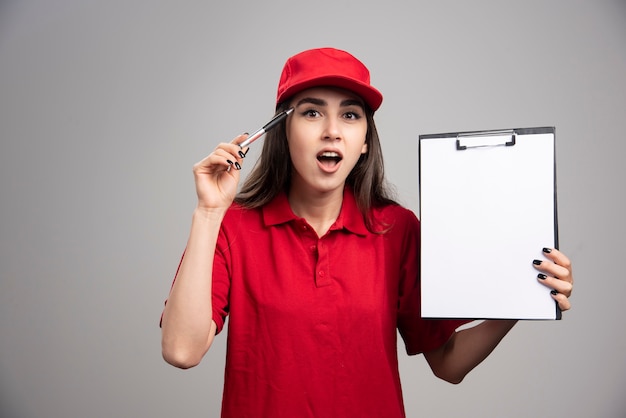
(326, 136)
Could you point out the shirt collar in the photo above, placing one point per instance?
(278, 212)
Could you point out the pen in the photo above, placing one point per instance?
(269, 125)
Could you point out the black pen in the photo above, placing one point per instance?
(269, 125)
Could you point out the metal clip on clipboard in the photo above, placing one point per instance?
(469, 140)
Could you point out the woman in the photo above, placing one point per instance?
(315, 265)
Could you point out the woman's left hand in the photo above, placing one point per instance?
(557, 276)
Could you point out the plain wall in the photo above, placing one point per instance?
(106, 105)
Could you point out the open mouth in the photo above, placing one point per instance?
(329, 158)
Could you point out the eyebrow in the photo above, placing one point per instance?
(320, 102)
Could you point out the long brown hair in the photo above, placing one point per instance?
(272, 172)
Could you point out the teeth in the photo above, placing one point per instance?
(329, 154)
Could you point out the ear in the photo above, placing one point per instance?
(364, 149)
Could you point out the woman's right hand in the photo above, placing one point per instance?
(188, 328)
(217, 175)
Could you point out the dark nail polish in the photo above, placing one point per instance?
(241, 154)
(237, 166)
(229, 162)
(554, 292)
(536, 262)
(542, 276)
(246, 153)
(547, 250)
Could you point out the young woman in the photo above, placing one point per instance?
(315, 265)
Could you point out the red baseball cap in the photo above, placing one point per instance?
(327, 67)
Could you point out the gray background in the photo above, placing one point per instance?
(106, 105)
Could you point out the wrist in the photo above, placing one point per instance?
(209, 214)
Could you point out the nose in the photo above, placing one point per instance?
(332, 130)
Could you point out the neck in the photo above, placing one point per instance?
(319, 210)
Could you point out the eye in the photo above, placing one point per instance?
(352, 115)
(311, 113)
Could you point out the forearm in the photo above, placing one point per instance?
(187, 325)
(466, 349)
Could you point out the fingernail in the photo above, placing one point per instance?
(241, 154)
(229, 162)
(554, 292)
(237, 166)
(542, 276)
(547, 250)
(536, 262)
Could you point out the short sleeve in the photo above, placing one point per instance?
(220, 284)
(221, 281)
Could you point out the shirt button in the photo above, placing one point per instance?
(313, 248)
(321, 273)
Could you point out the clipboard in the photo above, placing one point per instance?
(487, 208)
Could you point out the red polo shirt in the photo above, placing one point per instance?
(313, 320)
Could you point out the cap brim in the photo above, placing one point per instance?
(369, 94)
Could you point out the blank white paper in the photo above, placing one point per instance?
(486, 213)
